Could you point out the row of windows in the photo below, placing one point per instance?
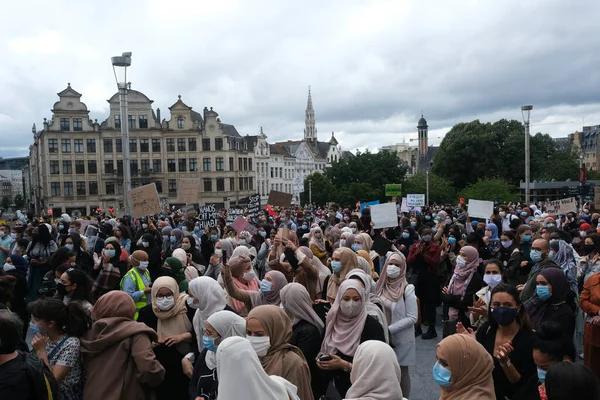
(82, 188)
(183, 144)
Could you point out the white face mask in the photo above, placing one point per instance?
(460, 261)
(260, 344)
(145, 226)
(165, 303)
(342, 242)
(8, 267)
(350, 308)
(393, 271)
(146, 244)
(143, 265)
(492, 280)
(249, 275)
(191, 304)
(218, 252)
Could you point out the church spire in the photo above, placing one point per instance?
(310, 131)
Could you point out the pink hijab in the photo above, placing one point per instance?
(342, 333)
(462, 276)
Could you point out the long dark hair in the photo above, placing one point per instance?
(551, 340)
(565, 379)
(522, 317)
(43, 236)
(59, 257)
(73, 319)
(84, 285)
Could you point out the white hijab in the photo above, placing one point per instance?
(241, 375)
(227, 324)
(375, 373)
(211, 298)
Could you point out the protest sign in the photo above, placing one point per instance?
(144, 201)
(384, 215)
(188, 190)
(368, 204)
(404, 206)
(480, 208)
(240, 224)
(279, 199)
(393, 189)
(597, 197)
(232, 214)
(254, 206)
(561, 207)
(207, 216)
(415, 200)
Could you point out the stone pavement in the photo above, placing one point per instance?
(423, 387)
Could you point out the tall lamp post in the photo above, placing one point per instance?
(309, 192)
(123, 61)
(526, 111)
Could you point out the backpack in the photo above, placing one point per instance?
(42, 381)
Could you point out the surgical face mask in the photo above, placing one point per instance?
(184, 228)
(283, 220)
(165, 303)
(413, 223)
(260, 344)
(487, 234)
(426, 238)
(342, 242)
(249, 275)
(541, 375)
(441, 375)
(336, 266)
(350, 308)
(506, 243)
(209, 343)
(242, 241)
(8, 267)
(492, 280)
(263, 233)
(582, 233)
(186, 246)
(502, 214)
(393, 271)
(196, 230)
(143, 265)
(527, 238)
(144, 226)
(356, 247)
(504, 315)
(69, 246)
(448, 221)
(72, 230)
(460, 261)
(405, 235)
(146, 244)
(266, 286)
(172, 239)
(543, 292)
(219, 252)
(434, 229)
(524, 213)
(451, 240)
(191, 304)
(56, 280)
(535, 255)
(305, 227)
(36, 329)
(110, 253)
(13, 235)
(427, 217)
(353, 230)
(213, 238)
(165, 237)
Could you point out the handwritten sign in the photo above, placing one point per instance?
(280, 199)
(415, 200)
(232, 214)
(561, 207)
(188, 190)
(254, 206)
(404, 206)
(240, 224)
(207, 216)
(384, 215)
(144, 200)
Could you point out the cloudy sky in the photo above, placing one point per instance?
(373, 65)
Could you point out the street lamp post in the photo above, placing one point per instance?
(427, 187)
(309, 192)
(581, 179)
(123, 62)
(526, 111)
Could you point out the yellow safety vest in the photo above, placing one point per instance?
(139, 285)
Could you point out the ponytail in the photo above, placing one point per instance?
(72, 319)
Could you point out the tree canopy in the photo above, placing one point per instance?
(491, 190)
(440, 189)
(322, 189)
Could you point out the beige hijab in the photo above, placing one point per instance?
(349, 262)
(375, 373)
(175, 320)
(390, 291)
(471, 367)
(296, 301)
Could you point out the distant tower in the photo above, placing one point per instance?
(422, 128)
(310, 132)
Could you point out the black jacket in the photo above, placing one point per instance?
(462, 303)
(307, 338)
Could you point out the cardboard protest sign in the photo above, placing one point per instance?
(415, 200)
(207, 216)
(561, 207)
(279, 199)
(144, 200)
(404, 205)
(384, 215)
(240, 224)
(188, 190)
(480, 208)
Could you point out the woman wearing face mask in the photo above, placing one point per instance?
(123, 235)
(261, 245)
(450, 250)
(363, 241)
(511, 257)
(318, 245)
(508, 337)
(465, 282)
(218, 327)
(173, 268)
(269, 330)
(166, 243)
(491, 278)
(589, 301)
(117, 352)
(39, 251)
(149, 244)
(57, 328)
(347, 326)
(553, 301)
(400, 305)
(525, 240)
(590, 263)
(407, 238)
(189, 271)
(270, 287)
(197, 260)
(343, 260)
(175, 241)
(83, 259)
(170, 317)
(75, 285)
(491, 239)
(307, 329)
(242, 276)
(111, 269)
(463, 369)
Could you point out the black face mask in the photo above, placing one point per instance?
(61, 289)
(588, 248)
(480, 232)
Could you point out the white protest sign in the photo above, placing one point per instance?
(404, 206)
(563, 206)
(188, 190)
(415, 200)
(144, 201)
(480, 208)
(384, 215)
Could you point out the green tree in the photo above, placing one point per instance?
(5, 203)
(19, 201)
(440, 189)
(552, 161)
(322, 189)
(354, 192)
(491, 190)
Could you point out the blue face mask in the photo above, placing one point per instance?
(405, 235)
(172, 239)
(527, 238)
(283, 220)
(413, 223)
(543, 292)
(356, 247)
(262, 233)
(541, 375)
(451, 240)
(111, 253)
(524, 214)
(196, 229)
(69, 246)
(304, 227)
(184, 229)
(535, 255)
(434, 229)
(35, 329)
(209, 343)
(265, 286)
(72, 230)
(427, 217)
(213, 238)
(441, 375)
(336, 266)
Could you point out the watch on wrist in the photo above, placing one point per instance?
(348, 367)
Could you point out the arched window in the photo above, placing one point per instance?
(180, 122)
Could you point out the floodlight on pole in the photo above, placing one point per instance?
(526, 112)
